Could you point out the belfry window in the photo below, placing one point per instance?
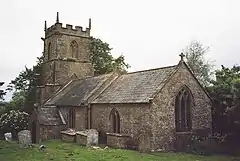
(74, 49)
(71, 118)
(115, 121)
(183, 103)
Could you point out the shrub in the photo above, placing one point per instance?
(201, 144)
(14, 121)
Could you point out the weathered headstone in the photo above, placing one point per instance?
(8, 136)
(92, 137)
(24, 138)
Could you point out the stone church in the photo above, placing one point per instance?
(156, 108)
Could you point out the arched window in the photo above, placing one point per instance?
(71, 118)
(115, 121)
(183, 104)
(49, 51)
(74, 49)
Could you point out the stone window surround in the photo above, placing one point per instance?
(74, 49)
(114, 119)
(183, 98)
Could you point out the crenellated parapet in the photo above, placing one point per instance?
(68, 29)
(66, 53)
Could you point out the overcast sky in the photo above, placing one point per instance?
(149, 33)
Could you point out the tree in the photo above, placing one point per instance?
(226, 87)
(2, 103)
(225, 90)
(25, 84)
(201, 68)
(2, 93)
(102, 60)
(14, 121)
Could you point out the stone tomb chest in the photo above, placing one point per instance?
(69, 135)
(118, 140)
(87, 137)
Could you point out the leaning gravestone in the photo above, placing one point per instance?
(24, 138)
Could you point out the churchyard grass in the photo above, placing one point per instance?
(58, 151)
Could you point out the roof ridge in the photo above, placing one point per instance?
(146, 70)
(78, 79)
(110, 75)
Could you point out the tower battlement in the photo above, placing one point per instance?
(59, 28)
(68, 29)
(66, 53)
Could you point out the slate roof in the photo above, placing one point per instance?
(78, 91)
(136, 87)
(49, 116)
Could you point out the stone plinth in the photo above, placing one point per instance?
(118, 140)
(68, 135)
(87, 137)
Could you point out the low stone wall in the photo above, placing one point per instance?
(118, 140)
(68, 135)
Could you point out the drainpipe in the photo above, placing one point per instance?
(89, 116)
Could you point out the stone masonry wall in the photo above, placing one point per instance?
(81, 117)
(163, 112)
(62, 70)
(65, 69)
(51, 132)
(61, 65)
(132, 119)
(60, 47)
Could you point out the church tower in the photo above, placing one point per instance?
(66, 55)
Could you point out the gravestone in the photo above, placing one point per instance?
(8, 136)
(24, 138)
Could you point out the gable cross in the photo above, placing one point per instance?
(182, 56)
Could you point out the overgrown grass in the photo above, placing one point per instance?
(59, 151)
